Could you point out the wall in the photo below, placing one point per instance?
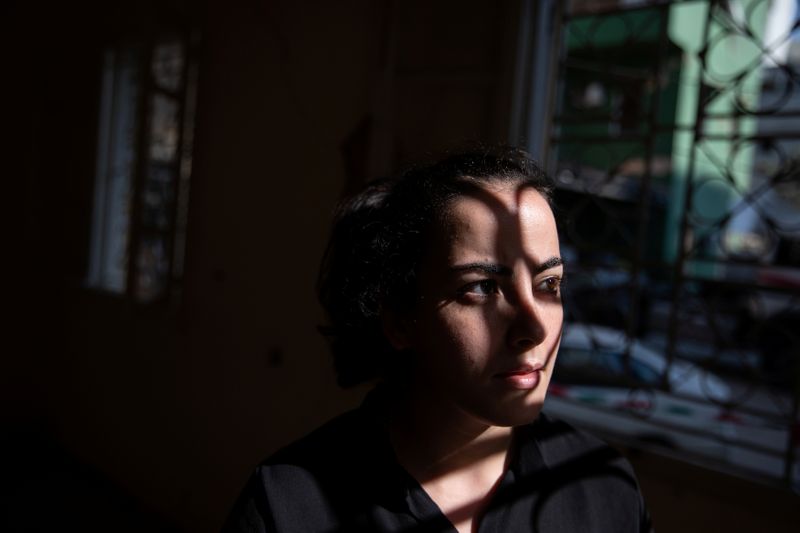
(174, 404)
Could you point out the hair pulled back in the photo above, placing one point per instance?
(378, 239)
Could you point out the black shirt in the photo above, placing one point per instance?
(344, 477)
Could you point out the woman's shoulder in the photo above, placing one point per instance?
(336, 438)
(356, 435)
(561, 444)
(315, 481)
(569, 468)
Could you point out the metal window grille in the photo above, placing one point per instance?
(673, 133)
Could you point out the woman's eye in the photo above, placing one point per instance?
(549, 285)
(484, 287)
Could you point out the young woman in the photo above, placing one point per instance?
(444, 286)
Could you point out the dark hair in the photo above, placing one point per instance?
(378, 239)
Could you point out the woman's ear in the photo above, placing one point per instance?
(396, 329)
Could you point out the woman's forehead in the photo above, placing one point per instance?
(498, 206)
(500, 222)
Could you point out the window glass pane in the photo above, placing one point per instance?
(116, 157)
(164, 128)
(152, 265)
(168, 61)
(157, 197)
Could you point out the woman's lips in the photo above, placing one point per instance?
(523, 378)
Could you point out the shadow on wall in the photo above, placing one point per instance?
(44, 488)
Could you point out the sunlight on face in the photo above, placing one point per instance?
(488, 322)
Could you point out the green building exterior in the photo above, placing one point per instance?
(652, 98)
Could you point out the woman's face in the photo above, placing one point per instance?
(487, 324)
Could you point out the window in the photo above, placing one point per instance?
(671, 130)
(143, 168)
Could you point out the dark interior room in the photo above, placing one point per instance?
(174, 168)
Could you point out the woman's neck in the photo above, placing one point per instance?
(457, 459)
(438, 438)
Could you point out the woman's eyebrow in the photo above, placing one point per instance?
(550, 263)
(488, 268)
(502, 270)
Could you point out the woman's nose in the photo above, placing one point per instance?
(527, 327)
